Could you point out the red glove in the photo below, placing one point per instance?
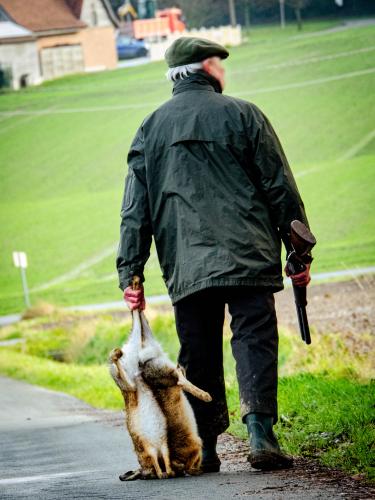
(301, 279)
(135, 299)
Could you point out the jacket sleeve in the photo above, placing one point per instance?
(135, 228)
(273, 176)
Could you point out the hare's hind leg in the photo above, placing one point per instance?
(153, 456)
(145, 458)
(178, 468)
(194, 461)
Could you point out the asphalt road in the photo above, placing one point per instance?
(56, 447)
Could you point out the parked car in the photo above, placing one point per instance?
(128, 47)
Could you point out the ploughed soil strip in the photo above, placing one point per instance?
(345, 306)
(339, 307)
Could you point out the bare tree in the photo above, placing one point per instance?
(246, 12)
(266, 4)
(232, 12)
(298, 5)
(282, 13)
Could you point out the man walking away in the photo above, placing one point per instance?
(209, 180)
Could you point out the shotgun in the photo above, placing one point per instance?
(301, 243)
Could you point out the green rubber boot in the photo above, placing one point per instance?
(210, 459)
(265, 453)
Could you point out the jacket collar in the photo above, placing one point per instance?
(197, 81)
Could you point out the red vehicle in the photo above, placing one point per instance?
(166, 21)
(174, 16)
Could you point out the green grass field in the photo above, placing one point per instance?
(63, 148)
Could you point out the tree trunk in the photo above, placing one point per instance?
(142, 11)
(282, 13)
(232, 13)
(246, 6)
(297, 10)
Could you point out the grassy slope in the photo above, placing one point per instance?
(62, 175)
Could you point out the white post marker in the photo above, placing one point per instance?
(20, 260)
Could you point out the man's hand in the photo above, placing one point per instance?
(301, 279)
(135, 299)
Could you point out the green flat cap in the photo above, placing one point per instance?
(188, 50)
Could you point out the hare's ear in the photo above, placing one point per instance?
(146, 330)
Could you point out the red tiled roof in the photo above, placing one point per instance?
(44, 15)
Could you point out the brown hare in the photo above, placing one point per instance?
(159, 417)
(145, 420)
(168, 383)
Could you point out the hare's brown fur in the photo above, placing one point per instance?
(185, 447)
(159, 418)
(148, 453)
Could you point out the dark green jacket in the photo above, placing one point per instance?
(209, 180)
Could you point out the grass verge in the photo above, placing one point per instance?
(324, 413)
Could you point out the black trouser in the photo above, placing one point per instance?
(199, 323)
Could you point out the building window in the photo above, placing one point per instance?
(24, 81)
(3, 16)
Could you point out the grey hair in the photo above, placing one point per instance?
(183, 71)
